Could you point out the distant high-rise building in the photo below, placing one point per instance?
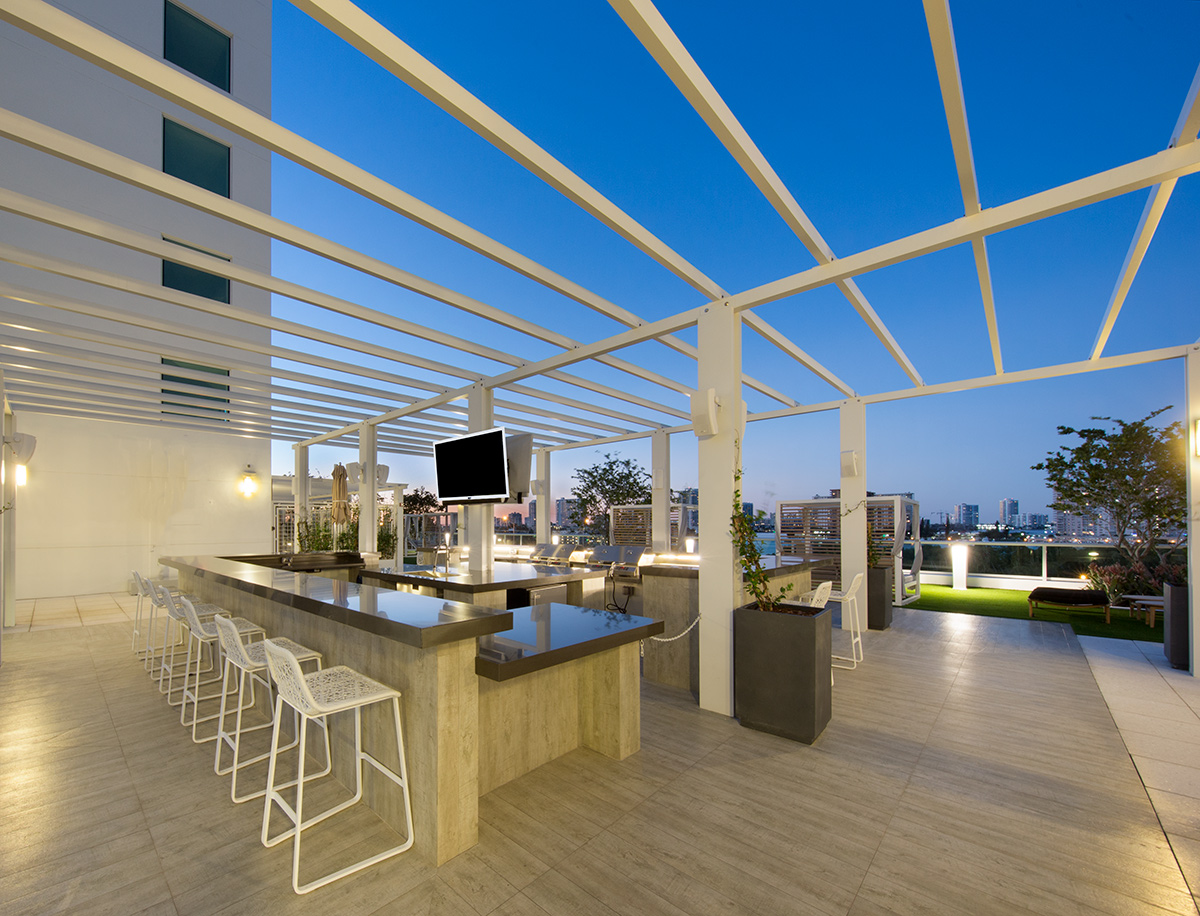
(966, 515)
(563, 509)
(532, 521)
(1037, 520)
(1090, 526)
(1010, 511)
(690, 497)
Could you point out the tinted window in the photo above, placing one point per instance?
(196, 46)
(190, 155)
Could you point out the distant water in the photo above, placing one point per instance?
(766, 544)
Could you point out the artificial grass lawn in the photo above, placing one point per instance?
(996, 602)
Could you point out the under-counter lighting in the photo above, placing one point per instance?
(248, 485)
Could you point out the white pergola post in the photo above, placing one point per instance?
(481, 527)
(853, 424)
(368, 504)
(8, 520)
(1193, 499)
(542, 488)
(299, 491)
(660, 492)
(398, 516)
(719, 369)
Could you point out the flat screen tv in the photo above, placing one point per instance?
(472, 468)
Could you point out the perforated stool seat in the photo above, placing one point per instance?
(321, 694)
(250, 661)
(202, 634)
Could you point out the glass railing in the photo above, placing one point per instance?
(1026, 559)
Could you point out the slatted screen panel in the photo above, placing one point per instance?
(630, 526)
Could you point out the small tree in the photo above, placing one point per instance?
(1134, 472)
(421, 501)
(613, 482)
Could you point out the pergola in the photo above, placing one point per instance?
(645, 379)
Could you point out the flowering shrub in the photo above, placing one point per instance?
(1117, 579)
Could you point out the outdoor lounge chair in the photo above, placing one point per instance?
(1069, 599)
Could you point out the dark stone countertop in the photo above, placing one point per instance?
(416, 620)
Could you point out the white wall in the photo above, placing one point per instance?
(106, 498)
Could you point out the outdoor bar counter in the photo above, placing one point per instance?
(506, 585)
(484, 701)
(672, 594)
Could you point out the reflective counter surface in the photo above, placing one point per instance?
(503, 576)
(416, 620)
(549, 634)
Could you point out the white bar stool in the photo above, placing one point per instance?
(173, 635)
(323, 693)
(251, 662)
(202, 634)
(849, 602)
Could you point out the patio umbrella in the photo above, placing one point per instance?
(341, 495)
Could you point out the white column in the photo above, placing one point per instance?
(8, 520)
(398, 516)
(660, 492)
(481, 526)
(853, 421)
(543, 496)
(368, 504)
(719, 368)
(300, 491)
(1193, 500)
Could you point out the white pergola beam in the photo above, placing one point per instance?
(77, 37)
(365, 34)
(945, 57)
(1183, 134)
(87, 155)
(645, 21)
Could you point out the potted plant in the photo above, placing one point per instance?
(781, 650)
(880, 585)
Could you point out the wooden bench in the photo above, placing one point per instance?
(1069, 599)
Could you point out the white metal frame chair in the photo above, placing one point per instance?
(172, 635)
(251, 663)
(849, 602)
(910, 579)
(203, 634)
(816, 597)
(319, 694)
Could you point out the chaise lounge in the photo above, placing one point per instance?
(1069, 599)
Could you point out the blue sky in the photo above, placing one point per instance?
(843, 100)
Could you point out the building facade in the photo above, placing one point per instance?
(120, 494)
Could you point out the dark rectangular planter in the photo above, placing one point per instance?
(1176, 642)
(880, 589)
(781, 674)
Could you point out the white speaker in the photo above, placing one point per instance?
(381, 474)
(22, 445)
(353, 472)
(704, 413)
(850, 464)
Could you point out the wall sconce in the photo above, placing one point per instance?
(1198, 438)
(555, 539)
(689, 545)
(248, 485)
(21, 476)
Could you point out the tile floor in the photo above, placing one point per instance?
(973, 766)
(1157, 710)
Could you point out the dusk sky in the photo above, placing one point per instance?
(843, 101)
